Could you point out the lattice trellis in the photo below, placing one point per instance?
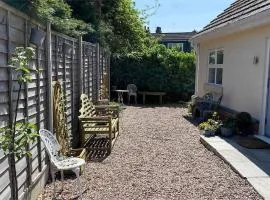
(59, 118)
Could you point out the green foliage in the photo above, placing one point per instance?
(243, 123)
(117, 23)
(59, 14)
(210, 125)
(157, 69)
(20, 63)
(229, 123)
(26, 133)
(15, 138)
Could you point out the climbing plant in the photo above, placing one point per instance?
(15, 138)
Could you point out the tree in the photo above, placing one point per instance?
(117, 23)
(57, 12)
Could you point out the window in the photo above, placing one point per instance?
(180, 46)
(215, 66)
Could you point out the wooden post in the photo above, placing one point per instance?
(80, 65)
(56, 57)
(109, 74)
(49, 75)
(88, 70)
(73, 114)
(11, 158)
(97, 72)
(38, 109)
(92, 73)
(28, 159)
(64, 76)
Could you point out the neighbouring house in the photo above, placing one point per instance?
(233, 54)
(180, 40)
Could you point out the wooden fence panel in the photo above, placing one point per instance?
(15, 29)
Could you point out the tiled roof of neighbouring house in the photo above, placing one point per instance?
(238, 10)
(175, 36)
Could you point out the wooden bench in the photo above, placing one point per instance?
(102, 120)
(160, 94)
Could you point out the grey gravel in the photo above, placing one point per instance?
(158, 156)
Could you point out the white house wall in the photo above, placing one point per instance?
(243, 81)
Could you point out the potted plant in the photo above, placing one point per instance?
(210, 127)
(37, 37)
(243, 123)
(227, 127)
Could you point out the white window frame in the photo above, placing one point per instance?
(215, 66)
(174, 44)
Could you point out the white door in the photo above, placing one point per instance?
(267, 116)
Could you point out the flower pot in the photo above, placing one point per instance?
(37, 37)
(67, 48)
(209, 133)
(226, 132)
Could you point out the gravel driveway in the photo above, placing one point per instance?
(158, 156)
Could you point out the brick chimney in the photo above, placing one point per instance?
(158, 30)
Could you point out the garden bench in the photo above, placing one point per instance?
(160, 94)
(209, 102)
(98, 120)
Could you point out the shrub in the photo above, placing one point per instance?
(243, 123)
(158, 69)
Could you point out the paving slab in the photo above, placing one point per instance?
(252, 164)
(262, 186)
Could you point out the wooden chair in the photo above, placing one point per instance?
(98, 120)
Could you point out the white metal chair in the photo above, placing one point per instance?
(132, 91)
(58, 162)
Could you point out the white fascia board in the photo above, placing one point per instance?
(249, 22)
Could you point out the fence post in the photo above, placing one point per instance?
(97, 72)
(11, 157)
(109, 73)
(80, 66)
(49, 73)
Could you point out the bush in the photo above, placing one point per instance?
(158, 69)
(243, 123)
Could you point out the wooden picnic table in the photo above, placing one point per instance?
(160, 94)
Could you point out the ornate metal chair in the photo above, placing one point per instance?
(58, 162)
(132, 91)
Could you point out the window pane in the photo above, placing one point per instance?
(212, 58)
(219, 76)
(211, 75)
(220, 57)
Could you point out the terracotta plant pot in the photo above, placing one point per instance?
(37, 37)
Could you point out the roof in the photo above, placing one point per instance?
(175, 36)
(238, 10)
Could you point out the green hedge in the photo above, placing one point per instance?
(160, 69)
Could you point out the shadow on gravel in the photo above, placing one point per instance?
(97, 149)
(141, 106)
(191, 119)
